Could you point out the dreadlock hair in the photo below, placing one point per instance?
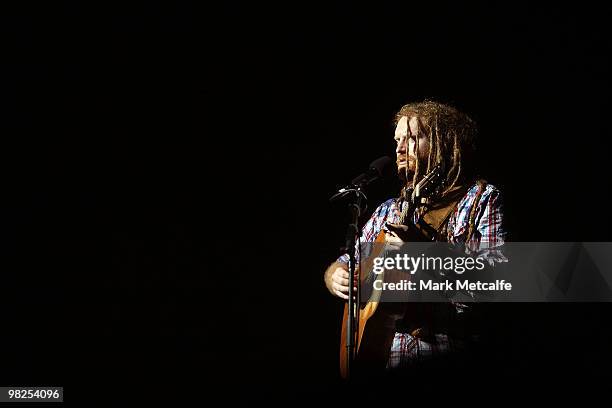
(452, 136)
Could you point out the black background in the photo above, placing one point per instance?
(166, 169)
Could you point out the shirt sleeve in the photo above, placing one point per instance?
(490, 235)
(370, 230)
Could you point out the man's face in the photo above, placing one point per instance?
(406, 133)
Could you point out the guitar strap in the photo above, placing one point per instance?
(437, 214)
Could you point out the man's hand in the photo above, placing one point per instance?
(337, 280)
(398, 234)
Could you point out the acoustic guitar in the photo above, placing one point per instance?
(375, 320)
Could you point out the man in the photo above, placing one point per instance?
(464, 211)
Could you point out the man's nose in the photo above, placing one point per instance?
(401, 146)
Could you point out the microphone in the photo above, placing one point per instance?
(380, 168)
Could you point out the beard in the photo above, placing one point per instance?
(405, 175)
(405, 171)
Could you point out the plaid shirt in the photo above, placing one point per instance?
(485, 242)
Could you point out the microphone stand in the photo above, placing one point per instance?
(379, 168)
(356, 198)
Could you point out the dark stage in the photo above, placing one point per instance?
(167, 168)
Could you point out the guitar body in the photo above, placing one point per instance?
(372, 345)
